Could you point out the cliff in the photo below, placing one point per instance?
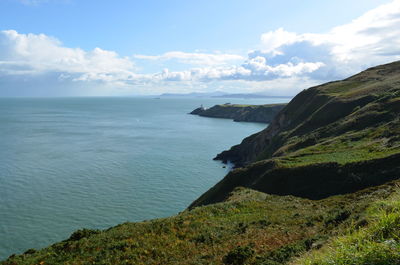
(249, 113)
(330, 139)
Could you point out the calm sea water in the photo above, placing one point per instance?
(69, 163)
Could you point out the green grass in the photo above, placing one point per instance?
(238, 106)
(346, 148)
(249, 106)
(249, 228)
(341, 88)
(377, 243)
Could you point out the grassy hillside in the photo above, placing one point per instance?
(323, 112)
(250, 227)
(240, 112)
(335, 138)
(375, 243)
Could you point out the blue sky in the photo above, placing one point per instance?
(100, 48)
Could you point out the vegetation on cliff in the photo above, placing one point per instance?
(239, 112)
(331, 139)
(375, 243)
(250, 227)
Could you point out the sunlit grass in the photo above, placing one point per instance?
(376, 243)
(251, 226)
(347, 148)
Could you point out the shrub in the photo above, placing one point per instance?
(77, 235)
(239, 255)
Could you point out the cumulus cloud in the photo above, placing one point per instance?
(194, 58)
(255, 69)
(294, 58)
(371, 39)
(31, 54)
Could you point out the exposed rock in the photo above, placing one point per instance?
(198, 111)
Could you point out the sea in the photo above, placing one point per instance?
(72, 163)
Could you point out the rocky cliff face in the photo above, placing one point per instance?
(315, 144)
(248, 113)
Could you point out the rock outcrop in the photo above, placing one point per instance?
(248, 113)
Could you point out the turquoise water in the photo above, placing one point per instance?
(68, 163)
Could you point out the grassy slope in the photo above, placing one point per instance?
(334, 138)
(378, 242)
(324, 111)
(249, 228)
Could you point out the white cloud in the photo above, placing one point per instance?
(260, 68)
(30, 54)
(273, 40)
(194, 58)
(285, 59)
(371, 39)
(255, 69)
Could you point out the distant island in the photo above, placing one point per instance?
(240, 112)
(320, 185)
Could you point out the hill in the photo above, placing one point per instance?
(239, 112)
(330, 139)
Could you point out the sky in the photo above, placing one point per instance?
(126, 48)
